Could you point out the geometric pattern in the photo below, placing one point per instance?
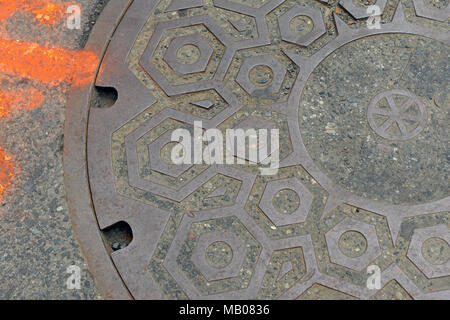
(225, 231)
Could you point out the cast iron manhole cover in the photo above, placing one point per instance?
(359, 207)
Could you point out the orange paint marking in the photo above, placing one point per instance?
(7, 8)
(27, 99)
(52, 66)
(45, 12)
(50, 13)
(6, 171)
(4, 105)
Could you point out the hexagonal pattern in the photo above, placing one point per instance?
(195, 40)
(159, 57)
(243, 77)
(155, 158)
(367, 230)
(212, 273)
(237, 274)
(229, 231)
(415, 252)
(143, 152)
(261, 208)
(282, 219)
(288, 35)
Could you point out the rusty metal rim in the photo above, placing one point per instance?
(76, 181)
(82, 212)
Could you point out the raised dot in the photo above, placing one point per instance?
(436, 251)
(352, 244)
(301, 25)
(188, 54)
(286, 201)
(261, 75)
(219, 254)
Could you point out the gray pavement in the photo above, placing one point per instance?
(36, 238)
(371, 192)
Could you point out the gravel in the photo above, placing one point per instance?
(37, 244)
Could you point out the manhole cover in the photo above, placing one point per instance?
(359, 206)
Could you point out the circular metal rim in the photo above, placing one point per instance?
(83, 216)
(76, 181)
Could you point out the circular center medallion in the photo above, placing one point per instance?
(219, 254)
(368, 118)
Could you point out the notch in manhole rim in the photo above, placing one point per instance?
(117, 236)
